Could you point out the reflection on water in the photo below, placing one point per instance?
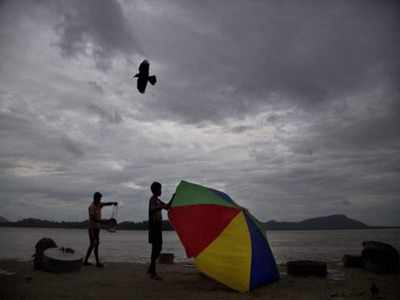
(132, 246)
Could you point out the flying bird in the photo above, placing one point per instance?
(143, 76)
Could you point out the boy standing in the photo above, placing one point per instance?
(155, 227)
(94, 228)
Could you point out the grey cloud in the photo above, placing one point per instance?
(367, 131)
(94, 28)
(241, 128)
(72, 146)
(22, 137)
(291, 108)
(273, 118)
(110, 115)
(300, 55)
(99, 27)
(96, 87)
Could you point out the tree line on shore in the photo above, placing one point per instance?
(32, 222)
(332, 222)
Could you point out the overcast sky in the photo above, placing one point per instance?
(291, 107)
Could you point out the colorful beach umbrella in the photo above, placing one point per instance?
(225, 240)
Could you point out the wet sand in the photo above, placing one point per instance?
(183, 281)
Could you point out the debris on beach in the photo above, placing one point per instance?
(6, 273)
(48, 257)
(374, 290)
(376, 257)
(166, 258)
(352, 261)
(380, 257)
(307, 268)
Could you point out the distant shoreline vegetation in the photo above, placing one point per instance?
(38, 223)
(333, 222)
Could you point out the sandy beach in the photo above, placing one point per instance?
(183, 281)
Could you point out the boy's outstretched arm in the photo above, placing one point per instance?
(108, 203)
(170, 201)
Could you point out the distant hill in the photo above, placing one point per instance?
(3, 220)
(320, 223)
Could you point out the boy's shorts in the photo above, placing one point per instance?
(94, 235)
(155, 236)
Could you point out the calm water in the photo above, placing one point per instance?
(132, 246)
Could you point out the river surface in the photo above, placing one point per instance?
(132, 246)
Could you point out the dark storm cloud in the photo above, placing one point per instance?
(241, 128)
(291, 108)
(296, 54)
(373, 129)
(108, 115)
(96, 26)
(19, 135)
(96, 87)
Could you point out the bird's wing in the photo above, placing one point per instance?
(144, 68)
(141, 84)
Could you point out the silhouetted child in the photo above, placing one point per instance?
(94, 228)
(155, 226)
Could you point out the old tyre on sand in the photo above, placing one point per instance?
(307, 268)
(352, 261)
(380, 257)
(60, 260)
(166, 258)
(41, 246)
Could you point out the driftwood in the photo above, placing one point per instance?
(307, 268)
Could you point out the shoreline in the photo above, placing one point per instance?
(183, 280)
(4, 225)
